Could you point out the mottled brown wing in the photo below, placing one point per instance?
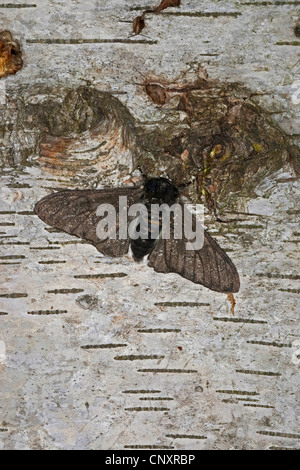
(209, 266)
(74, 212)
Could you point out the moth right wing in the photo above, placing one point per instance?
(74, 212)
(209, 266)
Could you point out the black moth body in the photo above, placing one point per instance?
(156, 191)
(74, 212)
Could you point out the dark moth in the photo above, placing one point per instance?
(74, 212)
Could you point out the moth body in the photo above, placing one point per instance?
(156, 191)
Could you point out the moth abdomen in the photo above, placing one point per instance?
(149, 231)
(157, 191)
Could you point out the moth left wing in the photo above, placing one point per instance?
(74, 212)
(209, 266)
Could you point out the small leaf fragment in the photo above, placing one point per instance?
(10, 55)
(166, 4)
(157, 93)
(138, 24)
(231, 299)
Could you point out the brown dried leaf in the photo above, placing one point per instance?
(10, 55)
(185, 155)
(166, 4)
(138, 24)
(139, 21)
(231, 299)
(157, 93)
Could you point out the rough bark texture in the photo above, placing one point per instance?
(102, 353)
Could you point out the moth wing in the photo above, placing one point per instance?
(209, 266)
(74, 212)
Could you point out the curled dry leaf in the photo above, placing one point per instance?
(166, 4)
(139, 21)
(138, 24)
(185, 155)
(231, 299)
(157, 93)
(10, 55)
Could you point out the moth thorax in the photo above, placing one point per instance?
(160, 191)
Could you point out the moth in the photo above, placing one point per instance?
(75, 212)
